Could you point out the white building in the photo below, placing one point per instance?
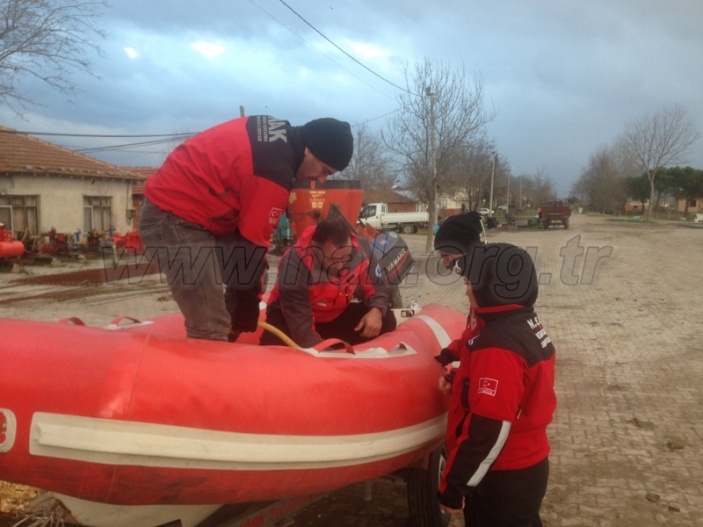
(45, 186)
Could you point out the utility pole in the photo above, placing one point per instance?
(519, 202)
(493, 176)
(433, 163)
(507, 199)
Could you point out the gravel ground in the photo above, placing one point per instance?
(623, 303)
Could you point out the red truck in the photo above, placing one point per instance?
(554, 212)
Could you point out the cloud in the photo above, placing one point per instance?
(565, 77)
(209, 50)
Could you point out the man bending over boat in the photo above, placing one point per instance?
(503, 391)
(210, 210)
(329, 285)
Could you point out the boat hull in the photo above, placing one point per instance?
(136, 416)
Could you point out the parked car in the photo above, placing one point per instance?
(698, 218)
(483, 211)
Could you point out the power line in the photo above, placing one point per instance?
(343, 51)
(165, 139)
(318, 50)
(174, 136)
(131, 145)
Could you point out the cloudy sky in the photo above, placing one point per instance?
(564, 76)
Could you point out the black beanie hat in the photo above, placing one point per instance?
(502, 274)
(458, 233)
(330, 141)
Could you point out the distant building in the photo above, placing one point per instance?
(45, 186)
(396, 201)
(692, 206)
(633, 207)
(138, 191)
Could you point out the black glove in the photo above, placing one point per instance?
(245, 312)
(446, 356)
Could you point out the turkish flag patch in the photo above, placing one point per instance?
(275, 215)
(487, 386)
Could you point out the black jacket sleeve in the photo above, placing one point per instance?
(477, 451)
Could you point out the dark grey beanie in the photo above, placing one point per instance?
(330, 141)
(458, 233)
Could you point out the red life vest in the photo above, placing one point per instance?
(329, 293)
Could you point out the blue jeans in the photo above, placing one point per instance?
(197, 265)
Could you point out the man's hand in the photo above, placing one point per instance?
(246, 311)
(370, 324)
(445, 385)
(448, 510)
(453, 508)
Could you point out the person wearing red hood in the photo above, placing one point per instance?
(210, 210)
(502, 393)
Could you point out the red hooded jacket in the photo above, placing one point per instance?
(503, 395)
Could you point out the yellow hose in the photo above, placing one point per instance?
(285, 338)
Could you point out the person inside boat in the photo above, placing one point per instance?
(210, 210)
(329, 285)
(502, 394)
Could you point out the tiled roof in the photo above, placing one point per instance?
(144, 172)
(23, 154)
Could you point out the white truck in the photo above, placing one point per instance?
(377, 215)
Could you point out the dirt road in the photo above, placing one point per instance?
(623, 303)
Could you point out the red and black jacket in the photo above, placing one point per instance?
(235, 176)
(502, 399)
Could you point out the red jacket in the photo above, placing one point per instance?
(234, 176)
(305, 293)
(502, 398)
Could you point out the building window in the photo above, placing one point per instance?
(96, 213)
(692, 203)
(20, 213)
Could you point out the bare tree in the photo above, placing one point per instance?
(472, 172)
(658, 141)
(441, 112)
(370, 164)
(45, 40)
(603, 182)
(539, 188)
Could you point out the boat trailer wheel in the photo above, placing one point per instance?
(422, 486)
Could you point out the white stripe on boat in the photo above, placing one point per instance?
(439, 332)
(113, 442)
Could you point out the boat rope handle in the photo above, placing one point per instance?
(285, 338)
(72, 320)
(118, 320)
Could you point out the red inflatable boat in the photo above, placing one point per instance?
(135, 417)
